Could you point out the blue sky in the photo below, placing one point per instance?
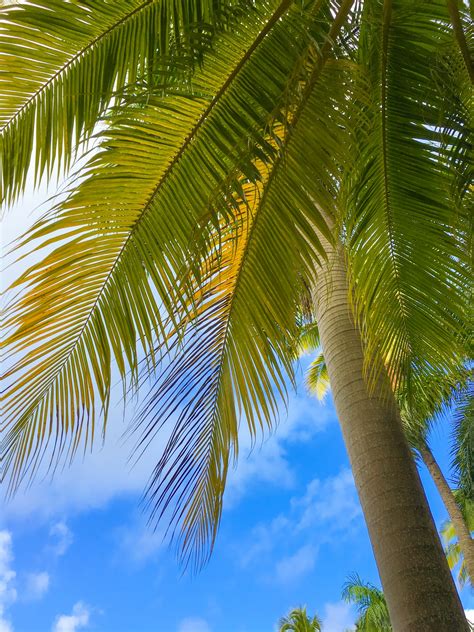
(76, 554)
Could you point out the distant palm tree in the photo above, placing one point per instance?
(436, 393)
(299, 621)
(453, 545)
(371, 604)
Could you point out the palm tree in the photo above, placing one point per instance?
(460, 502)
(242, 152)
(371, 604)
(299, 621)
(418, 417)
(455, 551)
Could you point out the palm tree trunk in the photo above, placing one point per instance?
(466, 543)
(420, 591)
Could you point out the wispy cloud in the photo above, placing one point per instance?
(36, 585)
(62, 538)
(194, 624)
(293, 567)
(338, 617)
(89, 483)
(267, 462)
(333, 500)
(469, 615)
(77, 620)
(327, 511)
(138, 542)
(8, 592)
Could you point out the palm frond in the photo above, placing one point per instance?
(235, 357)
(409, 266)
(121, 238)
(308, 338)
(317, 377)
(298, 620)
(117, 242)
(64, 63)
(463, 444)
(449, 537)
(371, 604)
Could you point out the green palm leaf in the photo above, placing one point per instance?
(122, 236)
(317, 377)
(96, 277)
(371, 604)
(299, 621)
(235, 357)
(409, 265)
(64, 63)
(451, 545)
(463, 444)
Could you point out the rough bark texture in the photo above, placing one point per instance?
(466, 543)
(420, 591)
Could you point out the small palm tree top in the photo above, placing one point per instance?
(371, 605)
(299, 621)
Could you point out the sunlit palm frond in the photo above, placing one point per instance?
(115, 245)
(63, 62)
(317, 377)
(235, 357)
(122, 236)
(406, 252)
(451, 545)
(308, 338)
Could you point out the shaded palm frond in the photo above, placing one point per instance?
(463, 444)
(431, 400)
(409, 266)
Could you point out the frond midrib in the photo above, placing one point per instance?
(387, 17)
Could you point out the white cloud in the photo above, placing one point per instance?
(8, 593)
(78, 619)
(470, 615)
(267, 462)
(338, 617)
(62, 536)
(37, 585)
(295, 566)
(328, 510)
(106, 473)
(90, 482)
(333, 500)
(139, 542)
(264, 537)
(194, 624)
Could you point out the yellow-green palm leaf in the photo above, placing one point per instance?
(64, 63)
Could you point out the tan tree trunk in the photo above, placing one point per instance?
(418, 585)
(466, 543)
